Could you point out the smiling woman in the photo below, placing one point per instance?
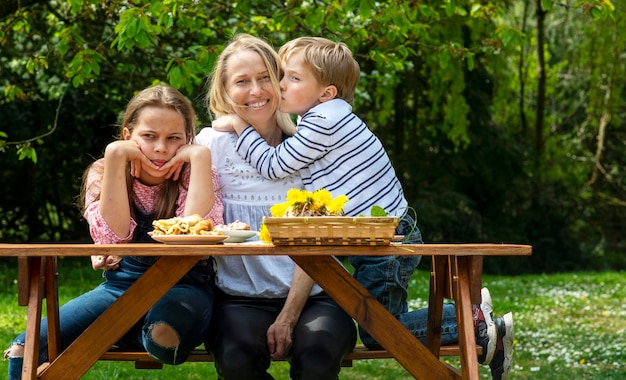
(266, 304)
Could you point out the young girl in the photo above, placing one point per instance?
(152, 172)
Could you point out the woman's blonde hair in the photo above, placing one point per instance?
(330, 62)
(162, 97)
(217, 99)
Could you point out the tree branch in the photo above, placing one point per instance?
(604, 121)
(51, 131)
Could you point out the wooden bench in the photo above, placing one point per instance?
(144, 361)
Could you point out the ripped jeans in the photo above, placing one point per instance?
(387, 279)
(186, 308)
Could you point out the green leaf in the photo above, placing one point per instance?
(365, 8)
(175, 77)
(444, 59)
(27, 151)
(33, 155)
(469, 57)
(378, 211)
(450, 8)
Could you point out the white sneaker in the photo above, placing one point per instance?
(485, 328)
(501, 363)
(486, 305)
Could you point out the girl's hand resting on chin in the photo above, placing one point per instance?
(186, 153)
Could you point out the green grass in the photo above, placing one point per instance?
(567, 326)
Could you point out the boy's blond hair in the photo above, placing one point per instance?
(331, 62)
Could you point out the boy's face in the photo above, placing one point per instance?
(300, 90)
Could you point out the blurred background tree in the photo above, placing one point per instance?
(502, 118)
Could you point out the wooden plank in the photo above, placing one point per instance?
(475, 266)
(438, 280)
(157, 249)
(360, 352)
(23, 280)
(461, 290)
(371, 315)
(119, 318)
(33, 324)
(52, 307)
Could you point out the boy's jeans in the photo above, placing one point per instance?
(387, 279)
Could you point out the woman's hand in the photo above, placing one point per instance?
(279, 334)
(105, 262)
(279, 339)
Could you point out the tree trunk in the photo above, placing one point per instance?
(522, 71)
(541, 87)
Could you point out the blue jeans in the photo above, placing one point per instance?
(387, 279)
(186, 308)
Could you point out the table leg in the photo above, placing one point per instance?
(328, 272)
(52, 307)
(438, 277)
(119, 318)
(463, 302)
(23, 280)
(33, 318)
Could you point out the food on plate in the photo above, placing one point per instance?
(188, 225)
(237, 225)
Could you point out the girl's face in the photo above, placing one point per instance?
(300, 90)
(159, 132)
(249, 85)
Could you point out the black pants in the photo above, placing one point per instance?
(323, 335)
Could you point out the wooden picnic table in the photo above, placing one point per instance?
(455, 274)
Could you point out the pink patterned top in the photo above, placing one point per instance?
(144, 198)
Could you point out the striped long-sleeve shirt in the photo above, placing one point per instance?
(332, 149)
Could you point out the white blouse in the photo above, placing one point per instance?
(247, 197)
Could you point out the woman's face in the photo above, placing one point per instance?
(159, 132)
(249, 85)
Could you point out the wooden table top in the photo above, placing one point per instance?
(158, 249)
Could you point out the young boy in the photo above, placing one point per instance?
(334, 149)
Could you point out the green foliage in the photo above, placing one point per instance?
(598, 9)
(452, 89)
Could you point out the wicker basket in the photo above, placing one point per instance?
(331, 230)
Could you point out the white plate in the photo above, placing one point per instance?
(190, 239)
(238, 236)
